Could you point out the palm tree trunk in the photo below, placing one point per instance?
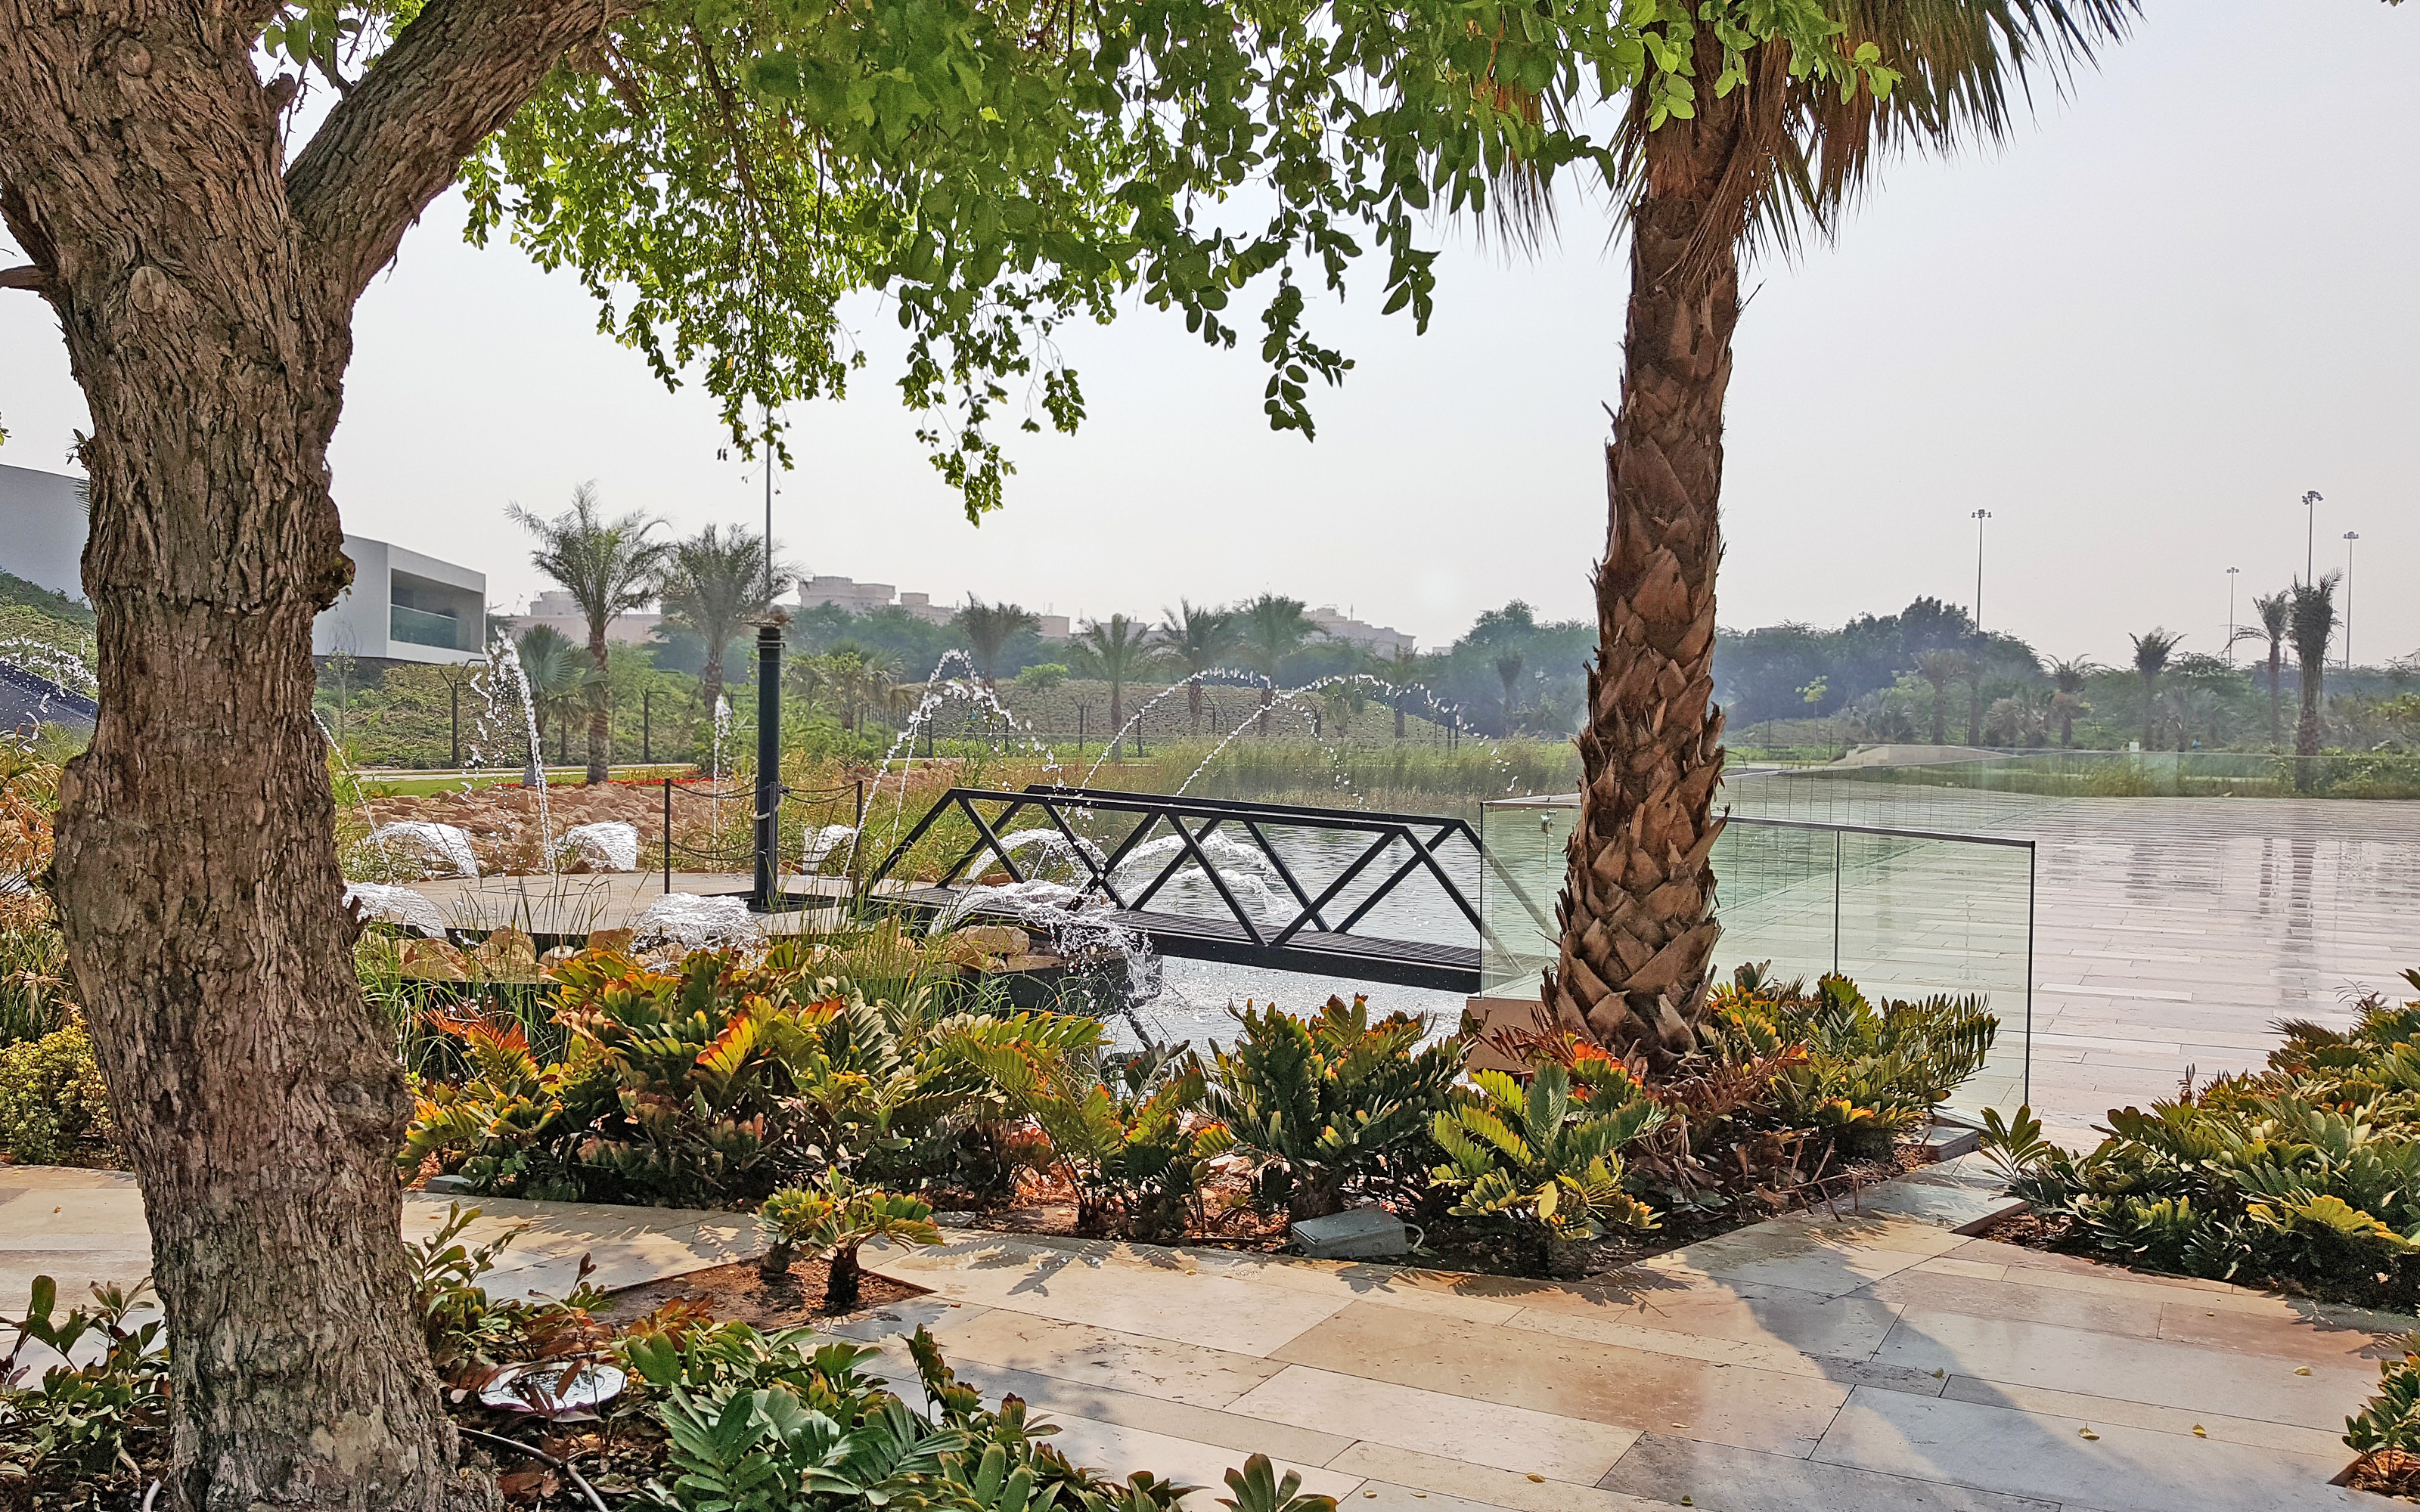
(601, 730)
(2306, 730)
(1974, 713)
(709, 680)
(2276, 697)
(1268, 701)
(1193, 704)
(1399, 717)
(1635, 911)
(1117, 720)
(1940, 712)
(2150, 708)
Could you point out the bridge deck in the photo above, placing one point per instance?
(1452, 968)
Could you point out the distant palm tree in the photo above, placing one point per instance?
(1118, 648)
(988, 627)
(607, 566)
(1507, 672)
(1274, 627)
(2274, 610)
(714, 584)
(2313, 624)
(2152, 651)
(1197, 639)
(1401, 669)
(2198, 714)
(2069, 677)
(1941, 668)
(558, 680)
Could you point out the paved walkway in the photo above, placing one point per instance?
(1874, 1363)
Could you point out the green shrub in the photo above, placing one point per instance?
(1327, 1101)
(52, 1097)
(1540, 1159)
(2307, 1171)
(2391, 1419)
(81, 1421)
(1868, 1073)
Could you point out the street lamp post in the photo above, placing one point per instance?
(2311, 501)
(2232, 573)
(1978, 518)
(2349, 537)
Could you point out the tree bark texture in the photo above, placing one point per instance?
(2314, 681)
(204, 292)
(2276, 695)
(1636, 907)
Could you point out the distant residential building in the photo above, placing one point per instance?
(557, 608)
(860, 598)
(403, 607)
(1385, 639)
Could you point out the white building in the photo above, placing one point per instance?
(402, 606)
(1385, 639)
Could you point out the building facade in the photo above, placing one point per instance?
(1384, 640)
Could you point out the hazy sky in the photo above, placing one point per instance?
(2173, 304)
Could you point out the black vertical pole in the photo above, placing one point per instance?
(458, 726)
(647, 727)
(1080, 731)
(769, 762)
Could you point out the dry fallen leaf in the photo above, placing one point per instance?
(2200, 1432)
(2086, 1433)
(1535, 1477)
(2301, 1370)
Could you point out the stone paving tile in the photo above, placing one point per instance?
(1847, 1370)
(1212, 1310)
(2027, 1454)
(1936, 1291)
(1118, 1451)
(2306, 1334)
(1723, 1480)
(1240, 1434)
(1470, 1486)
(2320, 1443)
(1092, 1356)
(2134, 1369)
(1408, 1417)
(1602, 1384)
(1829, 1259)
(1849, 1328)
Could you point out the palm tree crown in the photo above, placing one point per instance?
(2152, 651)
(606, 567)
(2309, 627)
(1117, 648)
(2273, 611)
(714, 584)
(988, 628)
(1197, 637)
(1274, 627)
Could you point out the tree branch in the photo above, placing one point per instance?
(28, 276)
(457, 72)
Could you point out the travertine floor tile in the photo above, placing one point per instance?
(1723, 1480)
(1950, 1293)
(1454, 1427)
(1294, 1441)
(1120, 1451)
(1475, 1485)
(1092, 1356)
(2320, 1443)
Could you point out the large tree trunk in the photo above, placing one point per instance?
(1268, 702)
(204, 292)
(1635, 911)
(2150, 710)
(710, 681)
(2306, 729)
(1193, 704)
(1940, 715)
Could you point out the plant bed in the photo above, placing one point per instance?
(739, 1293)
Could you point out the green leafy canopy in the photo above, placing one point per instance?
(721, 174)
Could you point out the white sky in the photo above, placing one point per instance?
(2136, 337)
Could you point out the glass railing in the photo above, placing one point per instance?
(419, 628)
(1905, 913)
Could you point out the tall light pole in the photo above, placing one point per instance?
(2232, 573)
(2349, 536)
(2311, 501)
(1978, 517)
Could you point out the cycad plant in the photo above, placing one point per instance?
(1327, 1101)
(2309, 627)
(715, 583)
(606, 565)
(1765, 146)
(2152, 649)
(833, 1219)
(1119, 649)
(1540, 1159)
(989, 628)
(1197, 638)
(1272, 628)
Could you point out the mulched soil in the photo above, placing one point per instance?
(2385, 1472)
(737, 1293)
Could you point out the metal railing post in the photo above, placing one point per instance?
(1835, 903)
(668, 836)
